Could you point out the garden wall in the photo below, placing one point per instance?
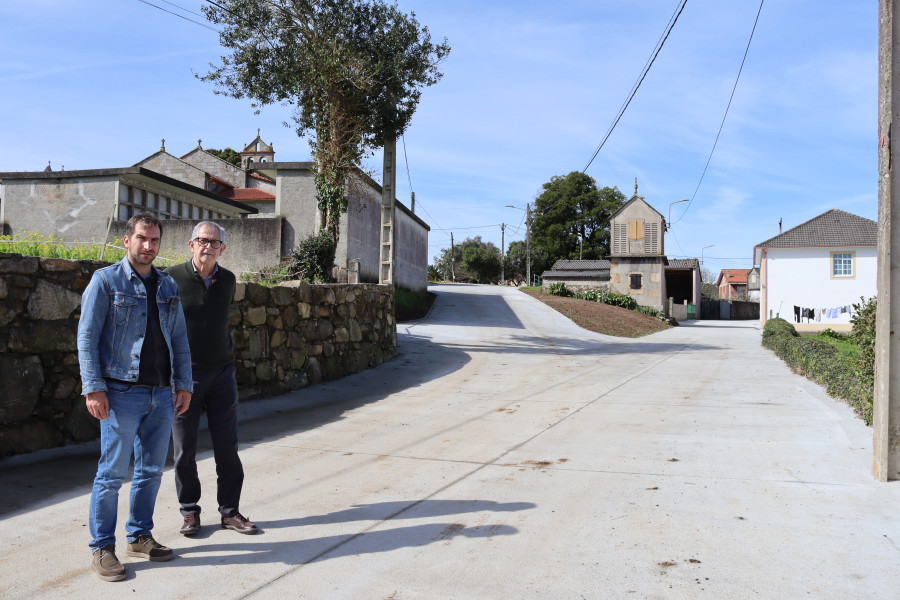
(285, 338)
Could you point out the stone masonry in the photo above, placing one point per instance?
(285, 338)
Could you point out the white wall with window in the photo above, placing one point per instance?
(817, 278)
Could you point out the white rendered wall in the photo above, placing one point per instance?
(802, 277)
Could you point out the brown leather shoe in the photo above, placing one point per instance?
(191, 524)
(105, 564)
(239, 523)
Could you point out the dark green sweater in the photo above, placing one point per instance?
(206, 314)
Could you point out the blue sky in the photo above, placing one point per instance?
(529, 90)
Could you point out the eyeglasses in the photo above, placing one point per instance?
(214, 244)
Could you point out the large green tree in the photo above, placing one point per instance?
(472, 260)
(353, 71)
(516, 260)
(572, 215)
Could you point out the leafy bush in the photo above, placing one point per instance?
(611, 298)
(863, 329)
(558, 289)
(841, 375)
(313, 259)
(650, 312)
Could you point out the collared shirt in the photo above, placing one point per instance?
(207, 281)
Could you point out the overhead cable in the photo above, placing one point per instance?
(722, 125)
(640, 79)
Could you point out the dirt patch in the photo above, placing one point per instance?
(601, 318)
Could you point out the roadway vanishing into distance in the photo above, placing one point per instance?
(507, 453)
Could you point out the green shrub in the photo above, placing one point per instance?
(840, 375)
(863, 329)
(313, 259)
(650, 312)
(611, 298)
(558, 289)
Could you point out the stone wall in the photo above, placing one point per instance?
(285, 338)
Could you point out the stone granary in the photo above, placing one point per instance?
(637, 257)
(267, 208)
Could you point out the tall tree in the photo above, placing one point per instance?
(353, 71)
(571, 216)
(516, 260)
(473, 260)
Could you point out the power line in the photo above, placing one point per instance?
(204, 25)
(722, 125)
(640, 80)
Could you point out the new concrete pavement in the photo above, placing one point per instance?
(506, 453)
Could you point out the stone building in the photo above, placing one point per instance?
(637, 257)
(92, 205)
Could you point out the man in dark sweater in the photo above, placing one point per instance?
(207, 291)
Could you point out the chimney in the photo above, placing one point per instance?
(779, 226)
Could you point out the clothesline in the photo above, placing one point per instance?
(820, 313)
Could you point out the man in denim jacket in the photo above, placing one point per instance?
(135, 375)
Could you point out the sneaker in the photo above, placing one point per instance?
(146, 547)
(239, 523)
(191, 524)
(105, 564)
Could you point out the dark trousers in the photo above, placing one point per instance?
(215, 391)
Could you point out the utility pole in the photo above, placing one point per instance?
(412, 202)
(886, 406)
(528, 241)
(502, 246)
(452, 269)
(389, 183)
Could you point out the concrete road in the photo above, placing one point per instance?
(506, 453)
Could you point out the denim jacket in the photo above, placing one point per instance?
(112, 325)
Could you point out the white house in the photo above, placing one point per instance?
(810, 275)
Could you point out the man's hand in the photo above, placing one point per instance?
(182, 401)
(97, 404)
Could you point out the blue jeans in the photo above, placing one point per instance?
(140, 419)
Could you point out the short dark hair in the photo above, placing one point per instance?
(148, 219)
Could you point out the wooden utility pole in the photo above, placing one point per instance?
(886, 409)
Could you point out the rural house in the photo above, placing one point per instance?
(812, 274)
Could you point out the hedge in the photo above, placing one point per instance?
(841, 376)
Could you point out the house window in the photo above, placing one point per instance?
(842, 265)
(634, 281)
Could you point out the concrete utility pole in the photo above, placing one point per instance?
(389, 183)
(886, 409)
(452, 269)
(528, 242)
(502, 247)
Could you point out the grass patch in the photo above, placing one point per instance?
(840, 341)
(50, 246)
(410, 306)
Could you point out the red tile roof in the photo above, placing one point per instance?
(733, 276)
(262, 177)
(244, 194)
